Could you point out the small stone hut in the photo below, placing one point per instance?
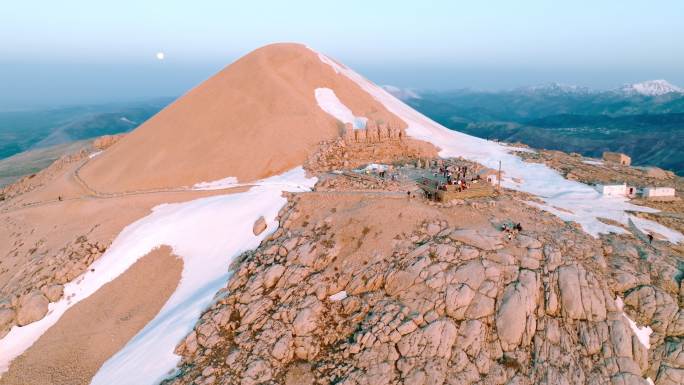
(617, 157)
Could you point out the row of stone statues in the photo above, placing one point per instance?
(373, 132)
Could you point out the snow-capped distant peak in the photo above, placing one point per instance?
(126, 120)
(556, 88)
(651, 88)
(401, 93)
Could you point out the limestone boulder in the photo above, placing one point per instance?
(272, 275)
(652, 306)
(670, 376)
(255, 310)
(53, 292)
(457, 300)
(306, 320)
(399, 280)
(471, 335)
(32, 307)
(525, 241)
(553, 257)
(259, 226)
(440, 337)
(283, 349)
(580, 294)
(484, 238)
(258, 372)
(517, 305)
(569, 285)
(471, 273)
(434, 340)
(306, 347)
(621, 338)
(481, 306)
(676, 327)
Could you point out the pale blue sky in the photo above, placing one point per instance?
(70, 51)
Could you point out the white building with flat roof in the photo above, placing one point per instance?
(612, 190)
(658, 192)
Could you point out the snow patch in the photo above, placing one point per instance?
(655, 228)
(570, 200)
(286, 180)
(94, 154)
(329, 103)
(126, 120)
(332, 63)
(227, 182)
(402, 93)
(643, 333)
(593, 162)
(208, 233)
(338, 296)
(375, 167)
(651, 88)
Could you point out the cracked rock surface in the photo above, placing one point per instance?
(437, 294)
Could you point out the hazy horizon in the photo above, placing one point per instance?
(80, 52)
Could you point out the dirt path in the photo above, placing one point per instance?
(384, 194)
(94, 194)
(71, 351)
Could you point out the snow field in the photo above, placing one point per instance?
(329, 103)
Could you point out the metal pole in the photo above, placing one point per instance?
(499, 176)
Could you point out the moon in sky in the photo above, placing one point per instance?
(160, 55)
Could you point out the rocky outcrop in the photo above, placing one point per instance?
(42, 281)
(106, 141)
(447, 306)
(32, 182)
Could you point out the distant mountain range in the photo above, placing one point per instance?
(644, 120)
(646, 88)
(34, 129)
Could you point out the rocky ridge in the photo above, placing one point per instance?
(41, 178)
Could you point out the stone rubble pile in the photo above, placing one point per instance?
(105, 141)
(338, 154)
(346, 183)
